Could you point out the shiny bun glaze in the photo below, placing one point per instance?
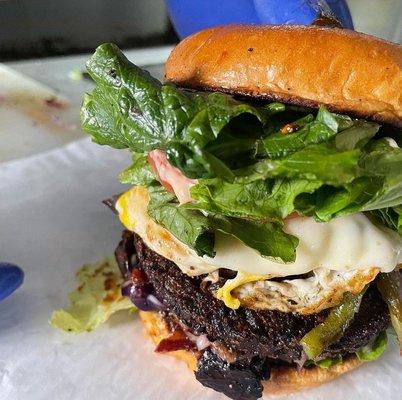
(283, 380)
(347, 71)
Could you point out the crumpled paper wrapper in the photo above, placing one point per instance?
(51, 222)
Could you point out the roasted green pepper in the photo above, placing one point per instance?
(390, 287)
(333, 327)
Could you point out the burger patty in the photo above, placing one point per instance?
(246, 333)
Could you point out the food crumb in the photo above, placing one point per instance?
(76, 74)
(289, 128)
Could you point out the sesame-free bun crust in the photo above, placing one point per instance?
(347, 71)
(282, 381)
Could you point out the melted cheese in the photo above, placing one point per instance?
(343, 244)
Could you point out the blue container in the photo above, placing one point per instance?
(11, 277)
(189, 16)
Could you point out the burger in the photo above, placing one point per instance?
(263, 222)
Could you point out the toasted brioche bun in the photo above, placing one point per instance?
(347, 71)
(282, 381)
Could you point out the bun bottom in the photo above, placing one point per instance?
(283, 380)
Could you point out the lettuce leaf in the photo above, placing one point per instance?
(189, 226)
(314, 162)
(255, 163)
(312, 131)
(130, 109)
(97, 297)
(383, 160)
(197, 230)
(356, 135)
(267, 238)
(374, 349)
(318, 180)
(325, 363)
(391, 217)
(370, 352)
(139, 173)
(260, 200)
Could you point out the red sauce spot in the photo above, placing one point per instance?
(176, 341)
(137, 276)
(53, 102)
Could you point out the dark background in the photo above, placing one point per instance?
(40, 28)
(43, 28)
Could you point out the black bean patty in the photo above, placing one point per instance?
(245, 333)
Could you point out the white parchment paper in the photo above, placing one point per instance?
(51, 222)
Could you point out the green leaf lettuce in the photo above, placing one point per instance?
(255, 163)
(97, 297)
(374, 349)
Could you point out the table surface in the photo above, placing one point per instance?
(39, 125)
